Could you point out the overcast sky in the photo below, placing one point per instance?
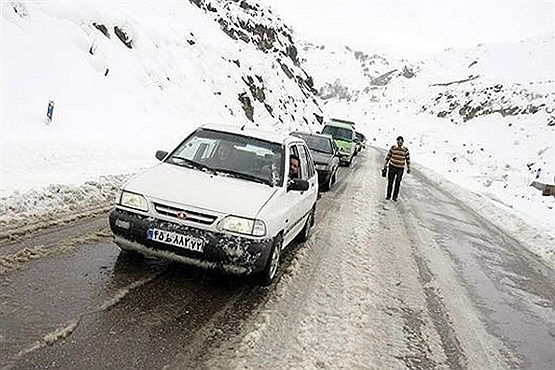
(416, 28)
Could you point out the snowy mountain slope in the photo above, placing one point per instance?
(503, 78)
(345, 73)
(458, 87)
(128, 79)
(178, 70)
(500, 96)
(529, 60)
(256, 25)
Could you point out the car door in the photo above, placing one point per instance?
(308, 172)
(292, 201)
(335, 159)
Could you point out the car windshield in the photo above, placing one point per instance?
(338, 133)
(227, 154)
(317, 143)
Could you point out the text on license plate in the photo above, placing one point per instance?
(178, 240)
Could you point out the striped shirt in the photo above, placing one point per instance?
(397, 156)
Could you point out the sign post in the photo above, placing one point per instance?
(50, 111)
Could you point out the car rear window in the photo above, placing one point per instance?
(317, 143)
(338, 133)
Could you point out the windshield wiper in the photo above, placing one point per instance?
(246, 176)
(197, 165)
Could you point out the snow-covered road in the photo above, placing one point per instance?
(421, 284)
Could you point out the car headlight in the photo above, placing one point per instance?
(245, 226)
(133, 200)
(343, 150)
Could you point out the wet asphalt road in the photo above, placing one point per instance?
(513, 291)
(102, 310)
(72, 302)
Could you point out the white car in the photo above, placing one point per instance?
(223, 198)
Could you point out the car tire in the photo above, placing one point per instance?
(305, 232)
(329, 181)
(267, 275)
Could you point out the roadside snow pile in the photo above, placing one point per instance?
(56, 204)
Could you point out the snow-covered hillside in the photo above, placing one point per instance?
(345, 73)
(127, 79)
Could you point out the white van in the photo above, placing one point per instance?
(221, 199)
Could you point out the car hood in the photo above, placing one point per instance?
(191, 187)
(321, 158)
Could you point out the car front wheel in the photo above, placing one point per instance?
(270, 269)
(305, 232)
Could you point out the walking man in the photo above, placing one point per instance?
(397, 157)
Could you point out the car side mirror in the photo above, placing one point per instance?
(160, 154)
(297, 185)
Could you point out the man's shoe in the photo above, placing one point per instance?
(394, 199)
(387, 198)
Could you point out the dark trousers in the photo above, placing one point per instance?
(395, 174)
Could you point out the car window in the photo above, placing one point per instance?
(323, 145)
(317, 143)
(303, 170)
(232, 155)
(338, 133)
(309, 160)
(197, 148)
(293, 151)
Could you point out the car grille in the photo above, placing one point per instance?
(191, 216)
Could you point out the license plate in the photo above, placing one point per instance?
(175, 239)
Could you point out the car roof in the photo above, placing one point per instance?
(312, 134)
(342, 121)
(251, 131)
(340, 124)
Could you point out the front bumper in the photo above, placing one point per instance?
(236, 254)
(345, 158)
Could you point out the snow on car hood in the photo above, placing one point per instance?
(191, 187)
